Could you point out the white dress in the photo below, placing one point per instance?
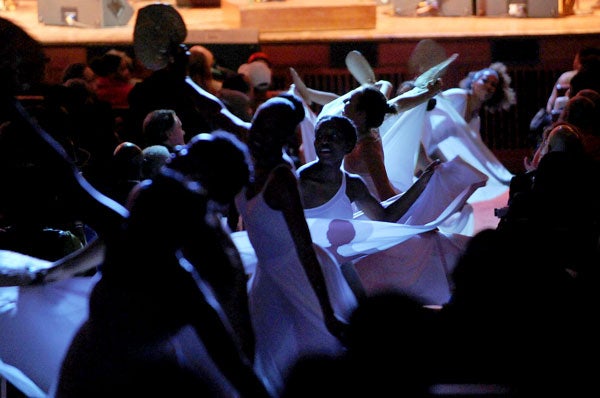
(339, 206)
(37, 324)
(414, 255)
(442, 129)
(286, 315)
(401, 135)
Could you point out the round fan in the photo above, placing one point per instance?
(434, 72)
(426, 54)
(159, 28)
(359, 68)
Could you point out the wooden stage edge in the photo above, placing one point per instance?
(211, 26)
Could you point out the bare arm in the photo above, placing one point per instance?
(311, 95)
(416, 96)
(423, 160)
(357, 191)
(399, 207)
(360, 194)
(217, 112)
(552, 98)
(385, 87)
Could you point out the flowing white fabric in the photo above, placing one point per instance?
(389, 251)
(36, 331)
(446, 130)
(353, 239)
(445, 195)
(442, 129)
(18, 379)
(285, 312)
(420, 267)
(401, 137)
(38, 323)
(17, 269)
(307, 128)
(386, 255)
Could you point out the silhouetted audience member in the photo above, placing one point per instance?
(514, 317)
(125, 171)
(114, 77)
(154, 328)
(80, 70)
(163, 127)
(260, 76)
(222, 164)
(393, 341)
(583, 111)
(200, 69)
(587, 77)
(153, 158)
(33, 220)
(169, 86)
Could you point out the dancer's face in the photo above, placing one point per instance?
(486, 85)
(330, 144)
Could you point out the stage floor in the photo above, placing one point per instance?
(209, 25)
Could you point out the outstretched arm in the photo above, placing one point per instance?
(398, 208)
(373, 209)
(416, 96)
(217, 112)
(311, 95)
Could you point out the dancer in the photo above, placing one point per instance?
(377, 247)
(387, 176)
(453, 126)
(298, 304)
(333, 104)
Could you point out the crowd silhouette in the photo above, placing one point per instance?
(180, 232)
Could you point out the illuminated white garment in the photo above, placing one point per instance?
(447, 131)
(285, 312)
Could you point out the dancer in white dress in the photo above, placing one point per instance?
(298, 305)
(452, 128)
(328, 193)
(333, 104)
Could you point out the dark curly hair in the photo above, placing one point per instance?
(374, 103)
(344, 125)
